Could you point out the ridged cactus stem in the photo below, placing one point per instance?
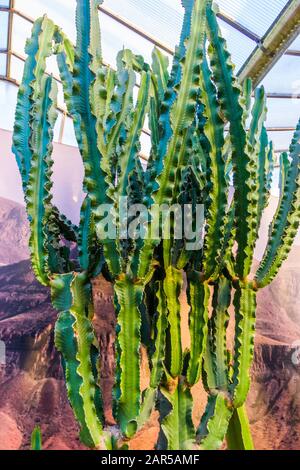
(129, 297)
(198, 298)
(71, 295)
(192, 162)
(177, 428)
(161, 324)
(220, 319)
(215, 422)
(245, 309)
(172, 288)
(239, 433)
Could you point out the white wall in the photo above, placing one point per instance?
(68, 175)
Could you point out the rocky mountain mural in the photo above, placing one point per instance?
(32, 389)
(14, 232)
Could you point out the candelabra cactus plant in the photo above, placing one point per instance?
(198, 115)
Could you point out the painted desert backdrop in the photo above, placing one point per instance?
(32, 389)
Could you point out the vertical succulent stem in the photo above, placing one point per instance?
(191, 160)
(177, 426)
(198, 298)
(172, 288)
(220, 320)
(129, 296)
(239, 432)
(71, 295)
(245, 308)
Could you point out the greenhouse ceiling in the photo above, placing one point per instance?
(263, 37)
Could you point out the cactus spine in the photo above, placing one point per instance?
(191, 162)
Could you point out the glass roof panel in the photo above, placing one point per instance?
(296, 44)
(163, 17)
(115, 37)
(61, 12)
(283, 112)
(281, 140)
(256, 15)
(3, 58)
(165, 27)
(147, 15)
(21, 29)
(284, 76)
(16, 68)
(3, 29)
(277, 109)
(159, 19)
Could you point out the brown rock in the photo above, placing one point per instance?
(10, 435)
(32, 389)
(55, 443)
(105, 327)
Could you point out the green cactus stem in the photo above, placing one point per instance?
(193, 160)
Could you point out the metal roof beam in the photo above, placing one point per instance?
(135, 29)
(293, 52)
(222, 15)
(284, 96)
(9, 39)
(274, 44)
(281, 129)
(9, 10)
(239, 27)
